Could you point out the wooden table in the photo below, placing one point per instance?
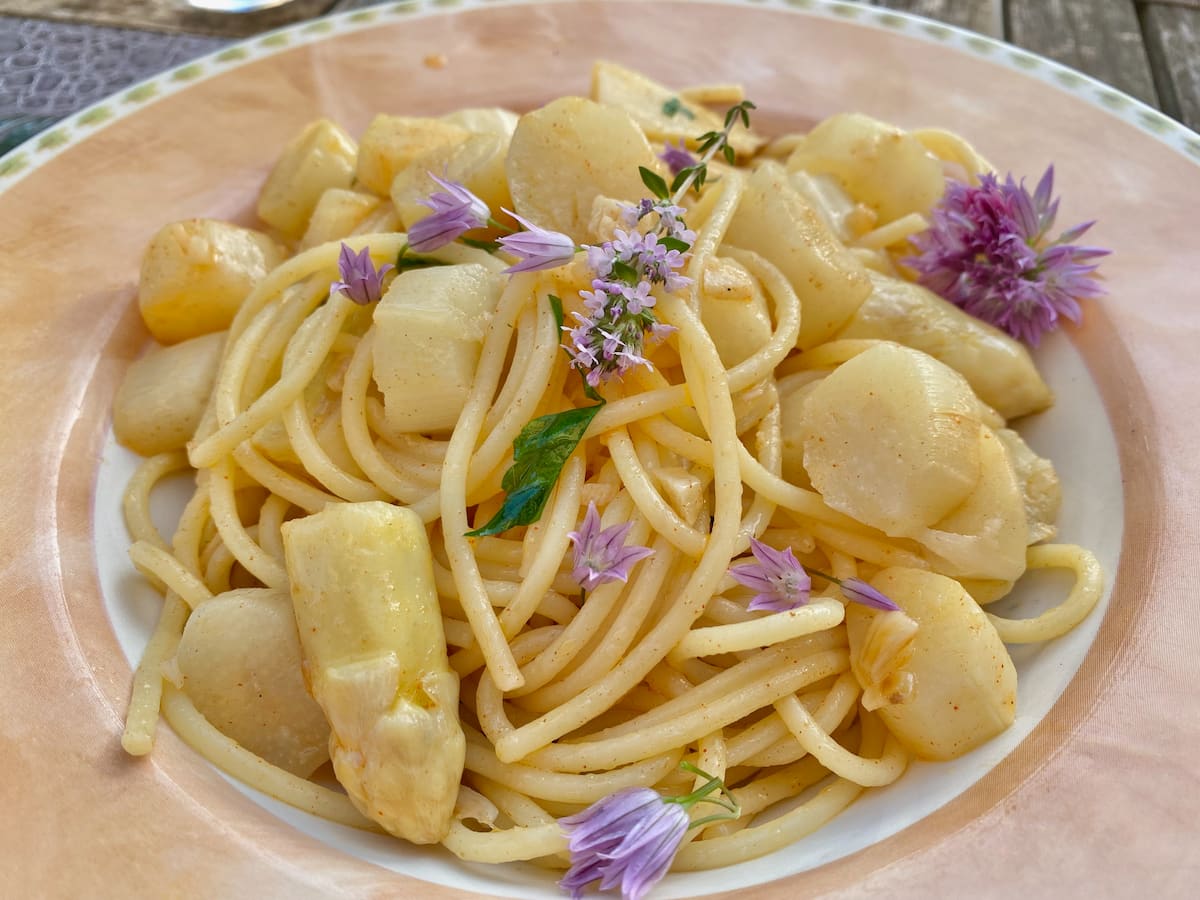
(57, 57)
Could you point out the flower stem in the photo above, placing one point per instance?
(714, 148)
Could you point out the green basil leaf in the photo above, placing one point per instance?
(556, 307)
(539, 454)
(674, 243)
(655, 182)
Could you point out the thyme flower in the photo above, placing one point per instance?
(678, 157)
(777, 575)
(988, 251)
(455, 211)
(601, 554)
(630, 838)
(361, 281)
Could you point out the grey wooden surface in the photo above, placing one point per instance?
(57, 56)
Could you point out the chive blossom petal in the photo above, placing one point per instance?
(777, 576)
(601, 554)
(988, 251)
(537, 248)
(455, 211)
(361, 281)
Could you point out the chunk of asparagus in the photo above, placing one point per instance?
(371, 630)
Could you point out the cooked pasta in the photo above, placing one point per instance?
(344, 452)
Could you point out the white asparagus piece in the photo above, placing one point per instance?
(371, 630)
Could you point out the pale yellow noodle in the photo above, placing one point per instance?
(762, 632)
(357, 432)
(759, 840)
(231, 757)
(142, 717)
(835, 757)
(270, 520)
(569, 788)
(1055, 622)
(305, 353)
(509, 845)
(662, 518)
(304, 495)
(894, 232)
(453, 494)
(519, 808)
(317, 462)
(781, 675)
(135, 503)
(150, 559)
(258, 562)
(631, 617)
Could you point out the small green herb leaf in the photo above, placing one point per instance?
(624, 272)
(674, 243)
(655, 182)
(741, 111)
(406, 261)
(675, 107)
(489, 246)
(556, 306)
(539, 454)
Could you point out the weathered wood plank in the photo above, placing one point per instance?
(159, 16)
(1100, 37)
(983, 16)
(1173, 44)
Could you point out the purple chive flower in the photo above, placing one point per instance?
(677, 158)
(537, 248)
(455, 212)
(780, 580)
(628, 838)
(361, 281)
(601, 555)
(988, 252)
(859, 591)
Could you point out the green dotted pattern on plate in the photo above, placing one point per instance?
(13, 164)
(96, 115)
(51, 139)
(1130, 110)
(981, 45)
(141, 93)
(188, 73)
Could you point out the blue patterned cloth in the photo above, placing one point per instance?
(51, 69)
